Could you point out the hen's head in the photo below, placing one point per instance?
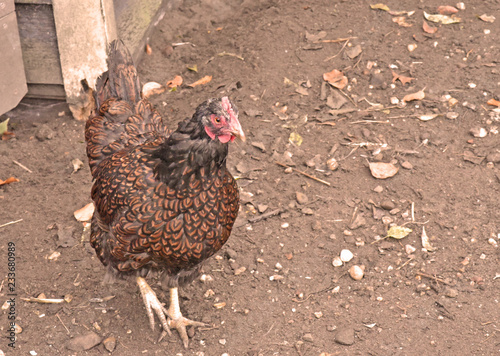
(219, 118)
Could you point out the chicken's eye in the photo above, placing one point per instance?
(217, 120)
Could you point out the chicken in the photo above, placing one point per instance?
(164, 199)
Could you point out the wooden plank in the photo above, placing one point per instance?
(12, 78)
(46, 91)
(39, 44)
(84, 29)
(34, 2)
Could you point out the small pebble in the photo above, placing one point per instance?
(262, 208)
(450, 292)
(332, 164)
(407, 165)
(356, 272)
(345, 336)
(307, 337)
(337, 262)
(387, 205)
(301, 198)
(109, 343)
(316, 225)
(307, 211)
(479, 132)
(44, 133)
(378, 189)
(346, 255)
(239, 271)
(410, 249)
(83, 342)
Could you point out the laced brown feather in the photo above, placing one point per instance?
(164, 201)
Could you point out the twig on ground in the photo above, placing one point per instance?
(67, 330)
(22, 166)
(11, 222)
(266, 215)
(433, 277)
(304, 173)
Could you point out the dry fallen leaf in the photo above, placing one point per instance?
(419, 95)
(295, 139)
(149, 50)
(193, 68)
(380, 7)
(77, 165)
(174, 83)
(447, 10)
(8, 181)
(152, 88)
(381, 170)
(487, 18)
(425, 241)
(445, 20)
(428, 28)
(404, 80)
(401, 21)
(398, 232)
(428, 117)
(202, 81)
(493, 102)
(335, 78)
(85, 213)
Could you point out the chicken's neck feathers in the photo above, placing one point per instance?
(189, 151)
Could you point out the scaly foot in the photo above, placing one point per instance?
(153, 304)
(176, 320)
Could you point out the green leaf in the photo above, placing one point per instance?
(4, 127)
(398, 232)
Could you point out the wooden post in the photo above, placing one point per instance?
(84, 29)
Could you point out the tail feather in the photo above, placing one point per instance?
(121, 80)
(122, 119)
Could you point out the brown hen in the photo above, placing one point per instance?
(164, 199)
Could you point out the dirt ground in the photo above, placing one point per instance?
(275, 290)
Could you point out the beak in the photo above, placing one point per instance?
(236, 130)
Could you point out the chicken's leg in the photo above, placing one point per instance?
(152, 303)
(175, 318)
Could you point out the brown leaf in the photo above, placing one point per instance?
(85, 213)
(493, 102)
(381, 170)
(7, 135)
(401, 21)
(419, 95)
(336, 78)
(149, 50)
(404, 80)
(487, 18)
(8, 181)
(174, 83)
(447, 10)
(202, 81)
(428, 28)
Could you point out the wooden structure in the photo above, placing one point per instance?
(65, 41)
